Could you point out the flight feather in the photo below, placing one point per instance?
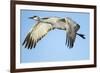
(36, 34)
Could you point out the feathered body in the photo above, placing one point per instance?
(44, 25)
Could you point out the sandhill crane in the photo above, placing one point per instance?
(46, 24)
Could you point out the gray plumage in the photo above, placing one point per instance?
(46, 24)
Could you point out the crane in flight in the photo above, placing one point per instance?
(46, 24)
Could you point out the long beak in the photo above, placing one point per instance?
(30, 17)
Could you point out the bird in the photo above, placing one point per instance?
(45, 24)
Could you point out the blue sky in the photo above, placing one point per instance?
(52, 46)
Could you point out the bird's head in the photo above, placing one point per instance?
(35, 18)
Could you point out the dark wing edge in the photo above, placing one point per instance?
(29, 42)
(70, 40)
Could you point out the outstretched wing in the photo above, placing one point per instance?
(36, 34)
(73, 27)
